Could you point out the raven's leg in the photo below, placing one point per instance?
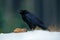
(32, 27)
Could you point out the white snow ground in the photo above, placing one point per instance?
(31, 35)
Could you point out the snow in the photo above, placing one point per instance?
(31, 35)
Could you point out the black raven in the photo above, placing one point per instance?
(32, 20)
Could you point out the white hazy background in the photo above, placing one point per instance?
(31, 35)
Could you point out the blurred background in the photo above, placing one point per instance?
(47, 10)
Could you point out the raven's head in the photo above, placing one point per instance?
(23, 12)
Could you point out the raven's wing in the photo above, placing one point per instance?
(27, 19)
(33, 19)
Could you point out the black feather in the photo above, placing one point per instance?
(32, 20)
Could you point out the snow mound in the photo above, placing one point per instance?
(31, 35)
